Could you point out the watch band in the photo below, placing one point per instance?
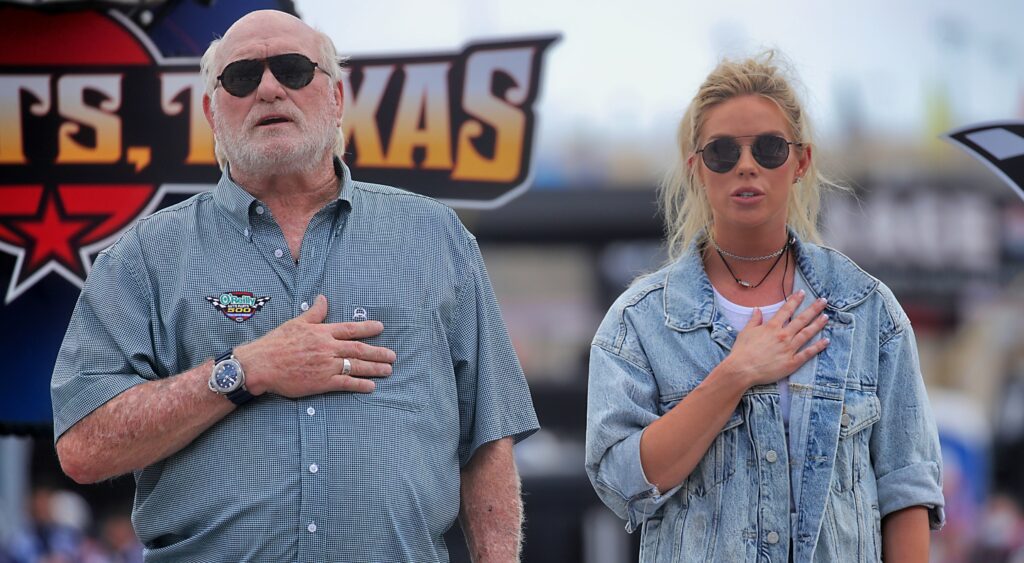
(225, 356)
(241, 395)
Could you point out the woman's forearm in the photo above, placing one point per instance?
(672, 446)
(905, 535)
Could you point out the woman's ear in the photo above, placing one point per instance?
(804, 162)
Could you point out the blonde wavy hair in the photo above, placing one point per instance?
(684, 203)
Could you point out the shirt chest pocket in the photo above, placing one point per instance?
(860, 412)
(719, 461)
(408, 332)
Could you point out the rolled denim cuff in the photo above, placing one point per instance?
(914, 485)
(622, 474)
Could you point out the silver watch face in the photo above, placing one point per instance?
(227, 376)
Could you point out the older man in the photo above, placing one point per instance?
(296, 366)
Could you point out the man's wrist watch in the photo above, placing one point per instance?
(228, 378)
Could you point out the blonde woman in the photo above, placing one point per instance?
(760, 397)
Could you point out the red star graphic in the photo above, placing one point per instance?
(51, 237)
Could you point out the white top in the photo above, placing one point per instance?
(738, 316)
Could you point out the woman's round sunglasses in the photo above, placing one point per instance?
(722, 154)
(292, 70)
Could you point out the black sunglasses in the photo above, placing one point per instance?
(722, 154)
(293, 70)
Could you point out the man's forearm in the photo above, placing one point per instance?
(905, 535)
(141, 426)
(492, 509)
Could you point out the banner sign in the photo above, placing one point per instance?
(999, 145)
(98, 129)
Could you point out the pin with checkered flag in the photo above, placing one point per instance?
(999, 145)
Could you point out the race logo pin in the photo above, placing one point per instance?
(238, 306)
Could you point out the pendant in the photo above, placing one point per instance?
(744, 284)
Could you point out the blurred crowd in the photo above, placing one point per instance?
(59, 528)
(993, 534)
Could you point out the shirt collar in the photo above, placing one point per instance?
(237, 203)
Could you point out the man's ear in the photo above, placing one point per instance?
(339, 95)
(208, 109)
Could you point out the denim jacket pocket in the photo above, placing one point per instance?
(719, 462)
(407, 332)
(860, 411)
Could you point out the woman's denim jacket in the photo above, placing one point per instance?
(862, 441)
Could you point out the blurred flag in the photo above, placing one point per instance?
(999, 145)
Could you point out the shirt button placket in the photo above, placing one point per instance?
(312, 447)
(320, 463)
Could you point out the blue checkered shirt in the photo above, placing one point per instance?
(332, 477)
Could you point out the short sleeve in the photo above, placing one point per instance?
(108, 345)
(494, 400)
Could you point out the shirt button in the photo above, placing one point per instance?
(845, 421)
(773, 537)
(259, 210)
(771, 456)
(729, 328)
(247, 232)
(279, 253)
(311, 527)
(313, 468)
(310, 411)
(304, 306)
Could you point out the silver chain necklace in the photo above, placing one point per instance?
(724, 252)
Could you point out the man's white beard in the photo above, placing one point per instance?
(265, 157)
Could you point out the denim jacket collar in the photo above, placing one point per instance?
(690, 302)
